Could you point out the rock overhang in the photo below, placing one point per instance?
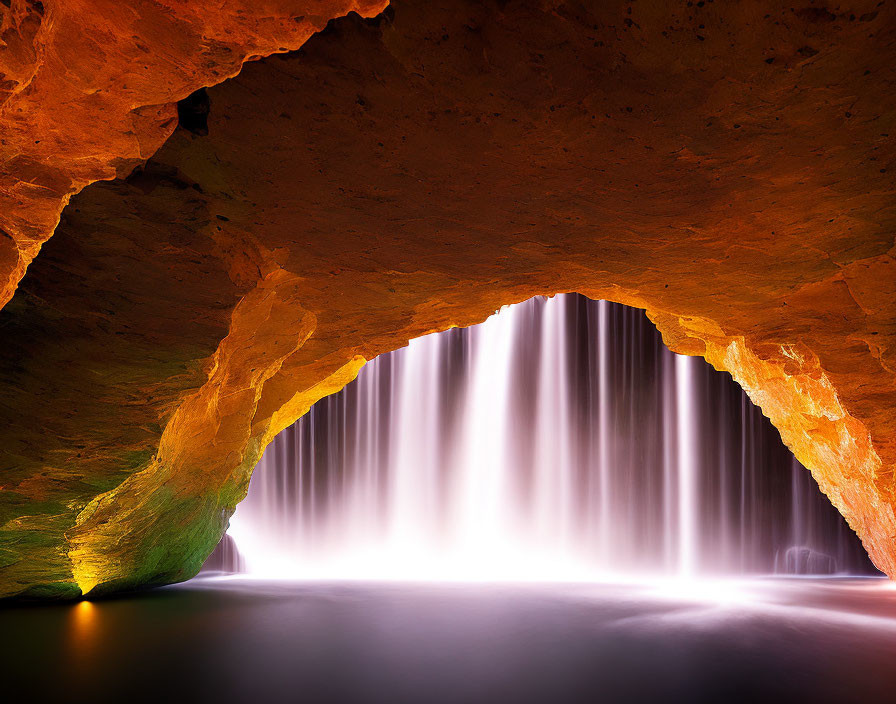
(407, 174)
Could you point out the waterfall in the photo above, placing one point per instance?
(558, 439)
(685, 417)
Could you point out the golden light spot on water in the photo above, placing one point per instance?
(83, 636)
(84, 618)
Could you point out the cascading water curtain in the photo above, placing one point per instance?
(559, 439)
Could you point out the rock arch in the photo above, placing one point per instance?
(410, 173)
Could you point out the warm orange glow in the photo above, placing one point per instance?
(83, 624)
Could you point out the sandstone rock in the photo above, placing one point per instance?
(87, 91)
(396, 177)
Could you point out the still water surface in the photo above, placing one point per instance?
(237, 639)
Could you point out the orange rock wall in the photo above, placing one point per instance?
(88, 91)
(727, 167)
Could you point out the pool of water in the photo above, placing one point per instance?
(237, 639)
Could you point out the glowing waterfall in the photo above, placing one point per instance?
(687, 469)
(557, 440)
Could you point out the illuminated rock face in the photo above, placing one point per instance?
(88, 91)
(730, 169)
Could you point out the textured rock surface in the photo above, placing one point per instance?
(728, 168)
(87, 91)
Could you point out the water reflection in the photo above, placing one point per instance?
(245, 640)
(83, 626)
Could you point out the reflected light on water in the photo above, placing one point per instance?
(246, 639)
(83, 625)
(705, 591)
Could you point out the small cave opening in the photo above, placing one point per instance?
(558, 440)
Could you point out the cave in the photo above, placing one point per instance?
(220, 225)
